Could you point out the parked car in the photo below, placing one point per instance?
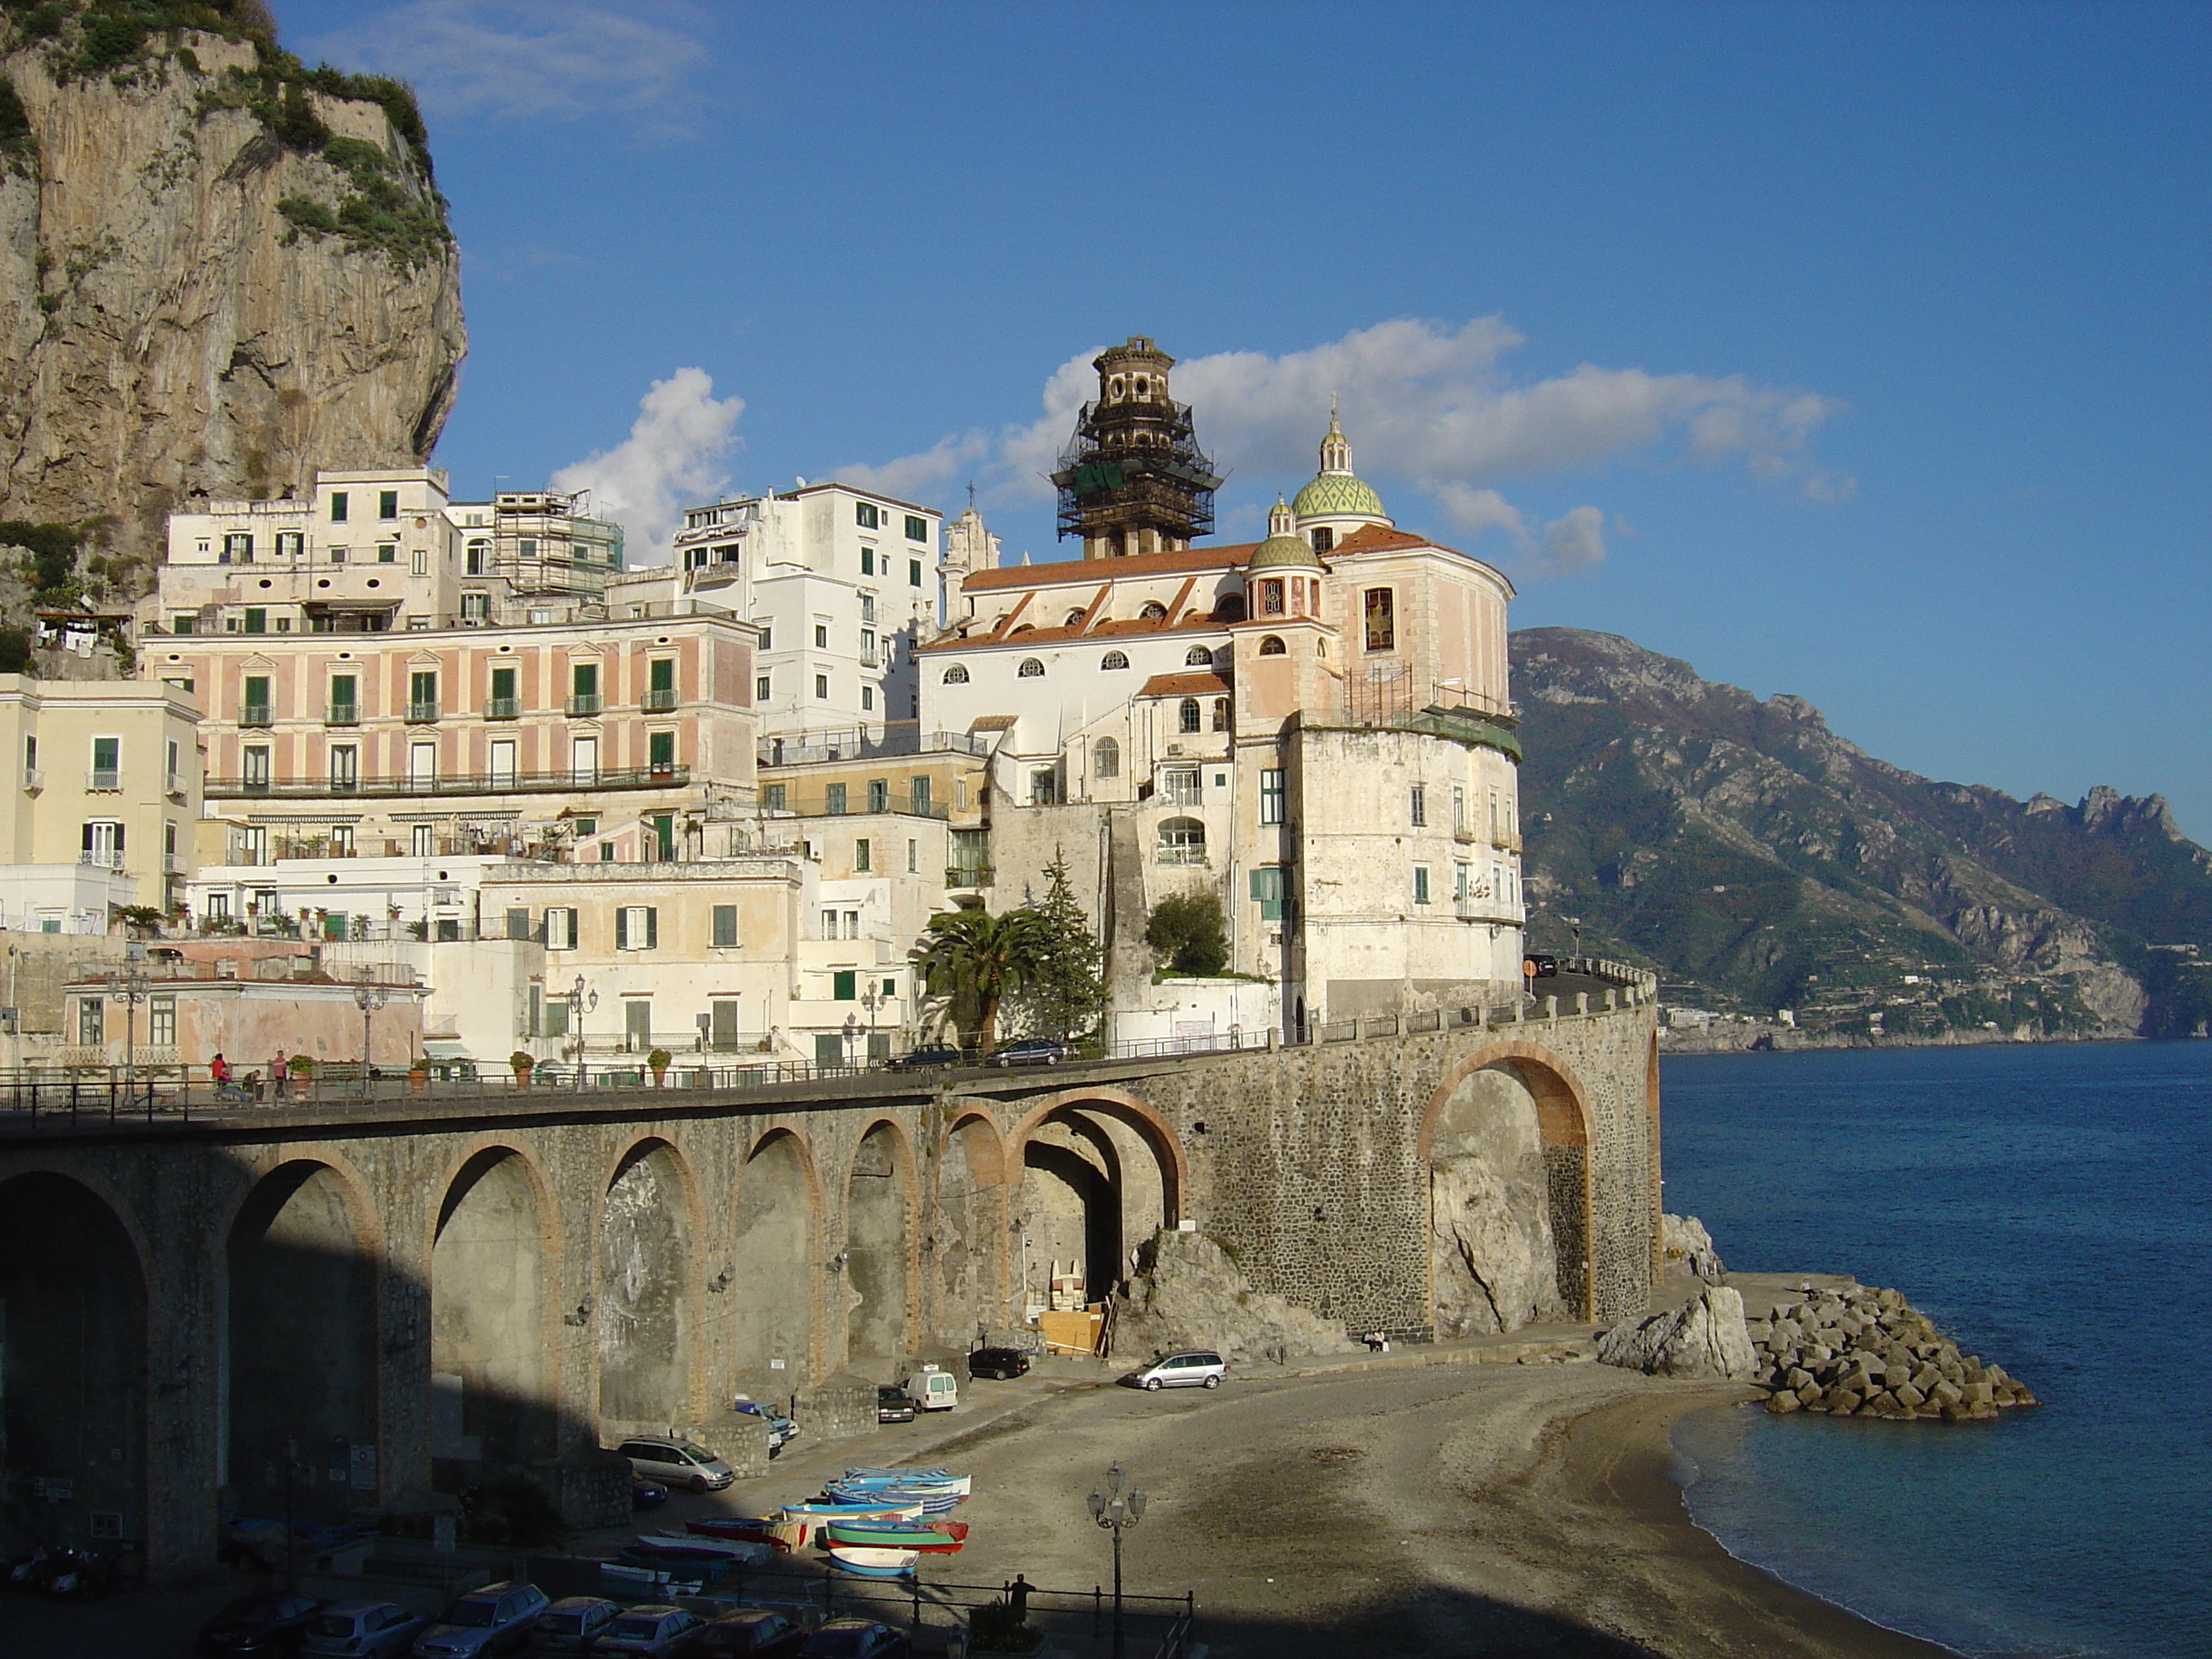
(856, 1638)
(1191, 1367)
(760, 1631)
(646, 1494)
(934, 1389)
(1537, 965)
(892, 1406)
(654, 1630)
(1000, 1362)
(927, 1055)
(781, 1431)
(496, 1618)
(572, 1624)
(361, 1630)
(262, 1624)
(679, 1463)
(1029, 1051)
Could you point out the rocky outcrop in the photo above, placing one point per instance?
(1705, 1338)
(213, 279)
(1684, 1240)
(1189, 1292)
(1861, 1351)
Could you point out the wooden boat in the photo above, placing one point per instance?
(874, 1563)
(896, 1534)
(879, 1508)
(748, 1552)
(739, 1528)
(933, 1500)
(916, 1479)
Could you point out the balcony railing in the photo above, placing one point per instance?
(173, 783)
(102, 858)
(502, 709)
(659, 702)
(33, 778)
(173, 863)
(420, 713)
(102, 777)
(253, 713)
(343, 713)
(584, 703)
(458, 783)
(968, 875)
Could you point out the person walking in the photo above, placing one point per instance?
(277, 1072)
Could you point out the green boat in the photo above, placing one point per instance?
(894, 1536)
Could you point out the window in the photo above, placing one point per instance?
(913, 856)
(477, 606)
(387, 552)
(879, 795)
(387, 504)
(956, 675)
(527, 547)
(865, 515)
(1154, 611)
(1199, 656)
(772, 797)
(421, 764)
(662, 828)
(1420, 883)
(502, 764)
(238, 549)
(91, 1022)
(1459, 807)
(917, 528)
(1323, 539)
(1179, 786)
(1494, 834)
(1181, 840)
(722, 1024)
(1105, 758)
(252, 705)
(102, 843)
(253, 769)
(1381, 611)
(1043, 787)
(867, 562)
(833, 799)
(422, 694)
(914, 573)
(868, 647)
(1462, 879)
(421, 840)
(1186, 715)
(345, 767)
(844, 987)
(761, 689)
(637, 927)
(345, 700)
(918, 793)
(862, 856)
(867, 607)
(1272, 646)
(1416, 805)
(584, 760)
(637, 1024)
(257, 619)
(586, 827)
(725, 934)
(162, 1022)
(822, 687)
(476, 558)
(561, 928)
(660, 752)
(1221, 714)
(1032, 669)
(553, 1016)
(1271, 598)
(291, 543)
(338, 555)
(1270, 794)
(1114, 660)
(1268, 891)
(337, 506)
(418, 561)
(503, 704)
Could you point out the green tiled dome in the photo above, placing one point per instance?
(1333, 495)
(1278, 551)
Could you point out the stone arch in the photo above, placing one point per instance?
(964, 1248)
(874, 1259)
(1100, 1171)
(493, 1259)
(73, 1280)
(775, 1293)
(1489, 1203)
(303, 1286)
(647, 1222)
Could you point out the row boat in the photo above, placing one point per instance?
(895, 1535)
(874, 1563)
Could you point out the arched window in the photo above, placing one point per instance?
(956, 675)
(1105, 758)
(1271, 598)
(1229, 608)
(1114, 659)
(1032, 669)
(1221, 714)
(1153, 611)
(1186, 715)
(1198, 656)
(1272, 646)
(1323, 539)
(1182, 840)
(1072, 619)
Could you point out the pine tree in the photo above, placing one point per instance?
(1067, 993)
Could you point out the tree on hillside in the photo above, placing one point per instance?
(1066, 995)
(1189, 930)
(985, 959)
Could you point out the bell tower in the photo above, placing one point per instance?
(1132, 478)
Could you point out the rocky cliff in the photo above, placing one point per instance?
(1759, 861)
(218, 269)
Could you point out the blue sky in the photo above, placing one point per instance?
(1855, 351)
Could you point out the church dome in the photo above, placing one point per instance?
(1284, 547)
(1335, 493)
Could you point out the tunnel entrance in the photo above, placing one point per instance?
(1097, 1181)
(772, 1294)
(302, 1341)
(489, 1399)
(876, 1207)
(1507, 1202)
(72, 1331)
(643, 1250)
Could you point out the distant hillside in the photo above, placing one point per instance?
(1759, 861)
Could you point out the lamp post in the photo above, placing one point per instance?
(579, 1001)
(368, 997)
(871, 999)
(133, 990)
(1117, 1511)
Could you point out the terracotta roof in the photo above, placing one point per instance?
(1203, 683)
(1380, 539)
(1093, 570)
(1199, 622)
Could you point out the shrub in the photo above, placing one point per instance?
(52, 548)
(1189, 931)
(992, 1628)
(14, 651)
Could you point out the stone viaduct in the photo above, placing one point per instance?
(329, 1305)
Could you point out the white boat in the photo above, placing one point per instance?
(873, 1563)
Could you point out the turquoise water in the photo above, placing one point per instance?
(2051, 1207)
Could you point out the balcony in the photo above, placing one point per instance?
(343, 713)
(458, 783)
(102, 858)
(502, 709)
(104, 778)
(34, 779)
(659, 702)
(253, 713)
(173, 863)
(584, 703)
(966, 876)
(422, 714)
(174, 784)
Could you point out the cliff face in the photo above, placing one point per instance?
(1755, 857)
(185, 305)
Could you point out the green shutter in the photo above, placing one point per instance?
(622, 928)
(652, 927)
(843, 989)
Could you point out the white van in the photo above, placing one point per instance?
(933, 1390)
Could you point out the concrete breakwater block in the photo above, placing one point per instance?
(1859, 1350)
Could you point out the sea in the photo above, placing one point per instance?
(2049, 1206)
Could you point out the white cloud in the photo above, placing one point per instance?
(534, 60)
(914, 477)
(1574, 540)
(671, 460)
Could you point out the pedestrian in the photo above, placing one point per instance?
(253, 1085)
(219, 1071)
(1018, 1598)
(277, 1072)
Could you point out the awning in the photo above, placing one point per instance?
(434, 1049)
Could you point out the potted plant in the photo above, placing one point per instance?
(418, 1074)
(524, 1065)
(658, 1060)
(301, 1068)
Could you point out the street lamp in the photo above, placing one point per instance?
(580, 999)
(1117, 1511)
(368, 997)
(133, 990)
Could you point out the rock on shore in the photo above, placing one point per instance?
(1860, 1351)
(1683, 1238)
(1705, 1337)
(1189, 1292)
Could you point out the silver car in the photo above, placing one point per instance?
(572, 1624)
(677, 1463)
(1193, 1368)
(361, 1630)
(497, 1618)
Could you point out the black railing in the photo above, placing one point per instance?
(455, 783)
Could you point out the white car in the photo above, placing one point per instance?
(677, 1463)
(1192, 1368)
(497, 1618)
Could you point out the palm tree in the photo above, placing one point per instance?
(988, 957)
